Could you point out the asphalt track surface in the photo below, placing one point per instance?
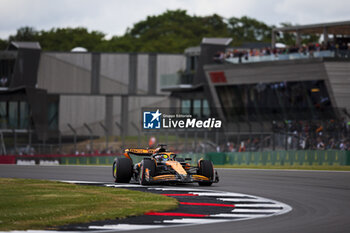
(320, 199)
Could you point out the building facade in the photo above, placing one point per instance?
(49, 91)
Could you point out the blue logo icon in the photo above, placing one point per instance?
(151, 120)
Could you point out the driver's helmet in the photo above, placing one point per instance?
(163, 157)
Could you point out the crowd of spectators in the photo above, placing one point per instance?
(316, 135)
(342, 50)
(295, 135)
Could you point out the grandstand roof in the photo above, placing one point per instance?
(24, 45)
(194, 51)
(217, 41)
(339, 28)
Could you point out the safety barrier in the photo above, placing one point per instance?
(276, 158)
(87, 160)
(268, 158)
(9, 159)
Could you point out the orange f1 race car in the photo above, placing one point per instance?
(160, 166)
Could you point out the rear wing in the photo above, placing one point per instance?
(139, 152)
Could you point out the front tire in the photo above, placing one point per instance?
(122, 170)
(206, 169)
(151, 166)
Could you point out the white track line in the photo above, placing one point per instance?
(239, 215)
(195, 220)
(224, 194)
(81, 182)
(258, 211)
(126, 227)
(245, 200)
(125, 185)
(259, 205)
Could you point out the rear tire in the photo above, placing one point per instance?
(151, 166)
(122, 170)
(206, 169)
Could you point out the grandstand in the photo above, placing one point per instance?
(267, 97)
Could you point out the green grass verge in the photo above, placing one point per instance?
(35, 204)
(296, 167)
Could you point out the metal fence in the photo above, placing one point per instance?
(272, 136)
(267, 158)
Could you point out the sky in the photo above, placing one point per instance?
(113, 17)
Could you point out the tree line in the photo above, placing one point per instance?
(170, 32)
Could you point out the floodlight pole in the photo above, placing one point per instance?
(59, 141)
(29, 135)
(3, 148)
(14, 139)
(106, 133)
(261, 136)
(121, 129)
(138, 133)
(286, 133)
(239, 135)
(90, 131)
(75, 136)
